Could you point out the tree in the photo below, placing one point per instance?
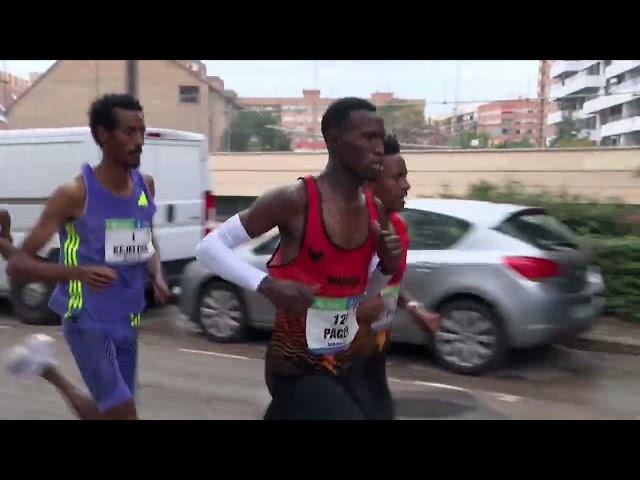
(406, 121)
(567, 135)
(250, 132)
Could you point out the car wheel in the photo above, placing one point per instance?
(221, 313)
(471, 339)
(30, 302)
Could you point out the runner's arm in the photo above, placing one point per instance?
(378, 277)
(423, 317)
(24, 263)
(154, 263)
(273, 209)
(5, 225)
(6, 248)
(161, 291)
(6, 242)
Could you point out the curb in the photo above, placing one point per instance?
(601, 343)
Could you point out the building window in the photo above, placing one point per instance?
(505, 131)
(189, 94)
(594, 69)
(616, 110)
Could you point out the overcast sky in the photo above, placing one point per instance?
(432, 80)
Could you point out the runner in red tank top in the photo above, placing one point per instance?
(302, 343)
(365, 364)
(328, 238)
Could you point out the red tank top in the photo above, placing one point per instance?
(341, 274)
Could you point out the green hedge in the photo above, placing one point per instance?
(619, 260)
(606, 228)
(583, 215)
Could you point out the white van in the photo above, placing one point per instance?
(33, 162)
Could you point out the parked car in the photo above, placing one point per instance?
(502, 276)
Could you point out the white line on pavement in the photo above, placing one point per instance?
(430, 384)
(498, 396)
(6, 326)
(216, 354)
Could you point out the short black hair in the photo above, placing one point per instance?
(339, 111)
(101, 113)
(391, 145)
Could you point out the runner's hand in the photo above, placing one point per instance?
(97, 277)
(161, 292)
(430, 320)
(369, 310)
(388, 248)
(291, 297)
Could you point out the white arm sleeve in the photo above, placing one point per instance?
(377, 280)
(216, 252)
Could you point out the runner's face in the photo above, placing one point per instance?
(392, 185)
(124, 142)
(359, 144)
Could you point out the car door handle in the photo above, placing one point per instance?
(170, 212)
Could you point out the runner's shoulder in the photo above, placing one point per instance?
(150, 183)
(288, 199)
(70, 197)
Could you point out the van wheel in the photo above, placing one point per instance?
(30, 303)
(221, 313)
(471, 340)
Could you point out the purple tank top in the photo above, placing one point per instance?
(115, 232)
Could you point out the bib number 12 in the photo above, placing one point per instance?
(340, 319)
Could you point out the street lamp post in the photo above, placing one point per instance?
(132, 78)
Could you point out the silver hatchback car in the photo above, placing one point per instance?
(502, 276)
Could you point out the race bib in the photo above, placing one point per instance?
(331, 325)
(127, 241)
(390, 299)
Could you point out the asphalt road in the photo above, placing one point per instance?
(184, 376)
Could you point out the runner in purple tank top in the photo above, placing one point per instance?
(107, 254)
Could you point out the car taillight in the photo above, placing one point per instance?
(209, 211)
(532, 268)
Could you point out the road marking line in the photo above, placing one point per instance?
(498, 396)
(507, 398)
(6, 326)
(430, 384)
(216, 354)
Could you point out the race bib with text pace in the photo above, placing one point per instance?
(331, 325)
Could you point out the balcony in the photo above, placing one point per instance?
(606, 101)
(560, 67)
(628, 86)
(620, 66)
(576, 85)
(623, 125)
(557, 117)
